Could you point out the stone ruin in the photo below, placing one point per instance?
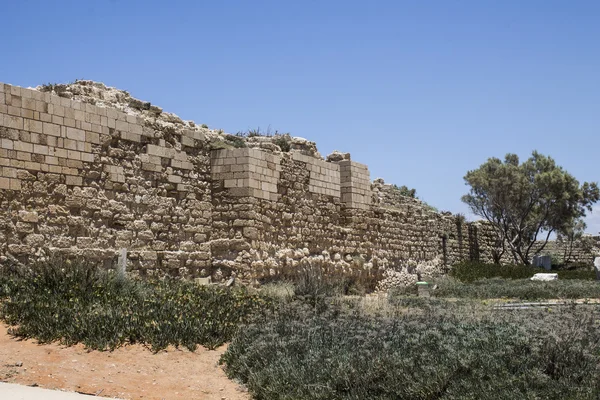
(87, 170)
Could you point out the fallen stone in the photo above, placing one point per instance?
(544, 277)
(203, 281)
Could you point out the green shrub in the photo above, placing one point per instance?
(581, 274)
(237, 142)
(79, 303)
(405, 191)
(326, 281)
(470, 271)
(298, 354)
(524, 289)
(283, 143)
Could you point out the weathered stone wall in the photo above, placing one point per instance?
(582, 252)
(85, 180)
(89, 178)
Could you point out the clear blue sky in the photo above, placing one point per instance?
(421, 91)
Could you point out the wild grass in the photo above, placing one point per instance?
(472, 271)
(79, 303)
(331, 353)
(523, 289)
(306, 338)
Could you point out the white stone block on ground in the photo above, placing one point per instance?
(544, 277)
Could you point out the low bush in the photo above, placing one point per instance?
(79, 303)
(300, 354)
(587, 274)
(323, 281)
(523, 289)
(471, 271)
(283, 143)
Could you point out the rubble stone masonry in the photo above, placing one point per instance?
(86, 180)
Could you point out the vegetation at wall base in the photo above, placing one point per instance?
(298, 353)
(79, 303)
(313, 343)
(521, 289)
(328, 281)
(470, 271)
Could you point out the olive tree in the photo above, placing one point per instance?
(526, 201)
(570, 236)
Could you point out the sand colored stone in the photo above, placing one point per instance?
(104, 171)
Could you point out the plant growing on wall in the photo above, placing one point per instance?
(405, 191)
(525, 201)
(283, 142)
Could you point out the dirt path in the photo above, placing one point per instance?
(131, 372)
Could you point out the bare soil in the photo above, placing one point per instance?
(130, 372)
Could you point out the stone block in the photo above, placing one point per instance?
(135, 128)
(74, 155)
(15, 184)
(40, 149)
(174, 178)
(230, 183)
(51, 129)
(150, 167)
(41, 106)
(73, 180)
(89, 108)
(87, 157)
(57, 110)
(23, 156)
(14, 111)
(23, 146)
(4, 183)
(57, 152)
(122, 126)
(93, 119)
(75, 134)
(544, 277)
(179, 155)
(58, 120)
(8, 172)
(156, 150)
(6, 144)
(182, 164)
(15, 101)
(79, 115)
(13, 122)
(28, 104)
(186, 141)
(92, 137)
(132, 137)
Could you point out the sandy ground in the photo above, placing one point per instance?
(131, 372)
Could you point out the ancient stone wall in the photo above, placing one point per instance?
(84, 180)
(93, 171)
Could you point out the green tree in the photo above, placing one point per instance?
(570, 236)
(524, 201)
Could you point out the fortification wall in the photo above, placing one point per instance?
(87, 180)
(83, 180)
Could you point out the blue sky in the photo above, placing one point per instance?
(421, 91)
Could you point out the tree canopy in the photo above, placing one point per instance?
(524, 201)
